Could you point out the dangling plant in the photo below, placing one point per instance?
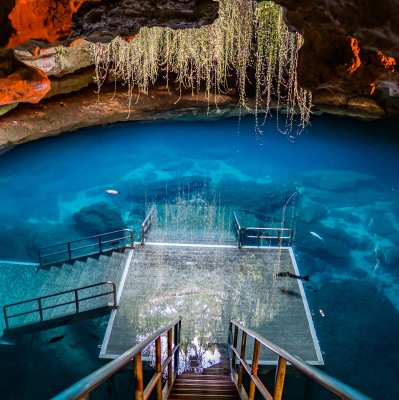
(246, 36)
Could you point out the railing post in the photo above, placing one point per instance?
(138, 375)
(279, 379)
(39, 302)
(233, 356)
(242, 355)
(131, 239)
(158, 366)
(170, 368)
(5, 316)
(76, 301)
(254, 369)
(176, 342)
(69, 251)
(142, 234)
(114, 294)
(100, 244)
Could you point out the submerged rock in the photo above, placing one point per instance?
(335, 180)
(98, 218)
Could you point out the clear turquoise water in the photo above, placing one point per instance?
(347, 225)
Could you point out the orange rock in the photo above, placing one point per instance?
(356, 61)
(26, 86)
(48, 20)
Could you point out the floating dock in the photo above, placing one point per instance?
(207, 286)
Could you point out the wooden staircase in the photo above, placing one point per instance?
(212, 383)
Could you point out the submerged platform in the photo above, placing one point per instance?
(208, 285)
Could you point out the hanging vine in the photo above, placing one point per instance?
(247, 36)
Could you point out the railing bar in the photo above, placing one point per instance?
(268, 237)
(96, 378)
(168, 360)
(114, 240)
(151, 384)
(88, 245)
(333, 385)
(95, 296)
(59, 293)
(242, 361)
(54, 254)
(84, 247)
(253, 228)
(85, 238)
(59, 304)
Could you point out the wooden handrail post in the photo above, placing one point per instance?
(235, 338)
(279, 379)
(170, 367)
(176, 342)
(158, 366)
(254, 369)
(242, 355)
(138, 376)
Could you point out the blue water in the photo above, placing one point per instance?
(347, 210)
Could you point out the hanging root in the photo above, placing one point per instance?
(246, 35)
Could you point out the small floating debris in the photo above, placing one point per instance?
(322, 313)
(112, 192)
(56, 339)
(316, 235)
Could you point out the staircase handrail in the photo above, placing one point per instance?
(146, 225)
(244, 232)
(77, 300)
(83, 388)
(333, 385)
(69, 249)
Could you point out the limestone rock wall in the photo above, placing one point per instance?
(349, 58)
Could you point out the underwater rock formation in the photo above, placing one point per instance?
(97, 218)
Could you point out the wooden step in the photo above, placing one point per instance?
(205, 390)
(211, 396)
(205, 377)
(201, 383)
(216, 371)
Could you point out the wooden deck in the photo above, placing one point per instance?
(207, 285)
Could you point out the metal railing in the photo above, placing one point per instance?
(277, 235)
(148, 220)
(237, 230)
(82, 389)
(84, 247)
(40, 309)
(237, 358)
